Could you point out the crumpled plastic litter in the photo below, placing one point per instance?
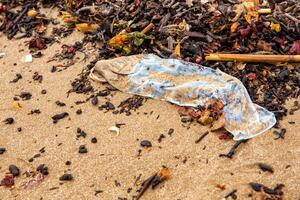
(186, 84)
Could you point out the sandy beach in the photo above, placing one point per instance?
(110, 168)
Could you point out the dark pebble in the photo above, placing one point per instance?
(146, 143)
(284, 74)
(94, 140)
(31, 160)
(171, 131)
(25, 95)
(2, 150)
(161, 137)
(94, 100)
(14, 170)
(186, 119)
(79, 112)
(44, 91)
(82, 149)
(43, 169)
(9, 120)
(59, 116)
(59, 103)
(66, 177)
(265, 167)
(19, 129)
(68, 162)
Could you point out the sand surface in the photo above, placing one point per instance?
(112, 165)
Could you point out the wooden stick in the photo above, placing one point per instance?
(253, 58)
(264, 11)
(148, 28)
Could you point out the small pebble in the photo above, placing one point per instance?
(66, 177)
(43, 169)
(2, 150)
(68, 162)
(146, 143)
(94, 140)
(94, 100)
(9, 120)
(82, 149)
(14, 170)
(79, 112)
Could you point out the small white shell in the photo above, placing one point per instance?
(114, 130)
(27, 58)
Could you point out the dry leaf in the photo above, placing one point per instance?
(67, 17)
(221, 186)
(234, 27)
(16, 105)
(256, 2)
(177, 50)
(32, 13)
(86, 28)
(164, 173)
(262, 45)
(40, 28)
(275, 27)
(118, 41)
(295, 49)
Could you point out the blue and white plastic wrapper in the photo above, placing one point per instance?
(186, 84)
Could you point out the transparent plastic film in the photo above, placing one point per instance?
(186, 84)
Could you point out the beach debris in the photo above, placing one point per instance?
(254, 58)
(35, 181)
(66, 177)
(27, 59)
(32, 13)
(181, 83)
(265, 167)
(153, 181)
(25, 96)
(231, 194)
(221, 186)
(202, 136)
(260, 191)
(7, 181)
(279, 134)
(295, 48)
(86, 28)
(114, 130)
(14, 170)
(233, 149)
(225, 135)
(59, 116)
(18, 77)
(42, 168)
